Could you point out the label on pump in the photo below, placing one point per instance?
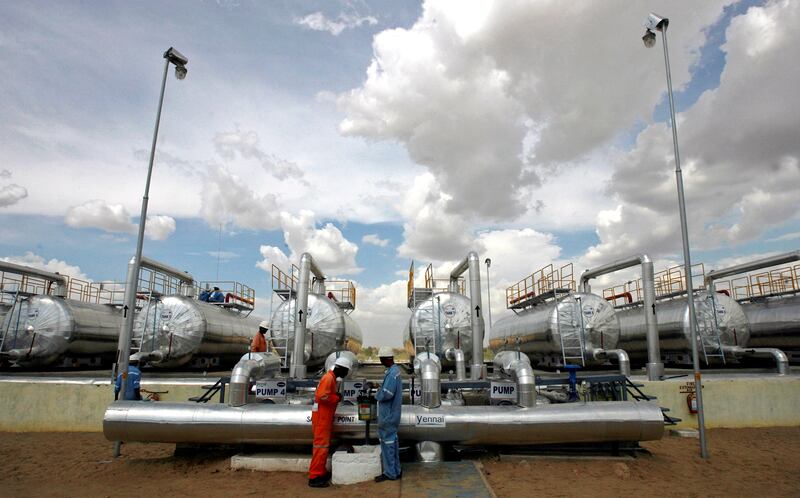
(503, 390)
(351, 389)
(431, 421)
(417, 394)
(270, 389)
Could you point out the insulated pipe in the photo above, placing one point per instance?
(750, 266)
(518, 367)
(297, 368)
(160, 267)
(472, 262)
(622, 358)
(655, 367)
(256, 423)
(27, 271)
(431, 385)
(781, 360)
(457, 355)
(252, 365)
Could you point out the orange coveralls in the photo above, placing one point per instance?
(259, 344)
(325, 400)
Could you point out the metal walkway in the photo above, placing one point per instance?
(443, 480)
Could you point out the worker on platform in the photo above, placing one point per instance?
(205, 295)
(132, 392)
(390, 402)
(326, 398)
(216, 296)
(259, 343)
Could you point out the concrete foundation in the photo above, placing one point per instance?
(272, 462)
(362, 465)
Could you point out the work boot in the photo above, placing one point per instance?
(319, 482)
(384, 477)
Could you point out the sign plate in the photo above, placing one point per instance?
(270, 389)
(431, 421)
(352, 388)
(503, 390)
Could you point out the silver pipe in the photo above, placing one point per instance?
(781, 360)
(307, 266)
(126, 330)
(431, 386)
(148, 356)
(252, 365)
(257, 423)
(655, 367)
(751, 266)
(472, 262)
(622, 358)
(27, 271)
(457, 355)
(518, 367)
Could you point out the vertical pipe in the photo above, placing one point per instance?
(124, 342)
(698, 386)
(298, 367)
(476, 370)
(655, 367)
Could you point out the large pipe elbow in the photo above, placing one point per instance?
(252, 365)
(518, 367)
(622, 358)
(781, 360)
(457, 356)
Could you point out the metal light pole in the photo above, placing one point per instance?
(489, 291)
(124, 345)
(652, 24)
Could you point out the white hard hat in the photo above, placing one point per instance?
(343, 361)
(263, 325)
(385, 352)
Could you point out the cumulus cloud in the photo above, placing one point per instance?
(12, 194)
(247, 145)
(227, 198)
(375, 240)
(382, 313)
(332, 252)
(739, 151)
(114, 218)
(317, 21)
(52, 265)
(475, 92)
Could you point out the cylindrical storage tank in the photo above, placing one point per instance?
(673, 326)
(540, 330)
(328, 329)
(445, 321)
(774, 322)
(43, 328)
(179, 328)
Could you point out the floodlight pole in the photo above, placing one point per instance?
(131, 284)
(698, 385)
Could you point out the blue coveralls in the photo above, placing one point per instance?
(216, 297)
(390, 401)
(134, 379)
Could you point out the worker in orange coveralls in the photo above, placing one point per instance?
(325, 401)
(259, 342)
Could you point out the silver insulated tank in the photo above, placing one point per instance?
(542, 328)
(328, 329)
(41, 329)
(774, 322)
(178, 328)
(444, 322)
(726, 315)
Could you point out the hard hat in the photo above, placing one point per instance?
(385, 352)
(263, 325)
(343, 361)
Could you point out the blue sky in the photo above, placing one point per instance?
(373, 133)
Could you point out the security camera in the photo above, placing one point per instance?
(176, 57)
(655, 22)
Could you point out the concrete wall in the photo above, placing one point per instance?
(69, 407)
(730, 401)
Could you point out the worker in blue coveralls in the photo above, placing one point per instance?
(216, 296)
(132, 392)
(390, 402)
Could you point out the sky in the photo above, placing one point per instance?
(371, 134)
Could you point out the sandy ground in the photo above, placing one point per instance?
(754, 462)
